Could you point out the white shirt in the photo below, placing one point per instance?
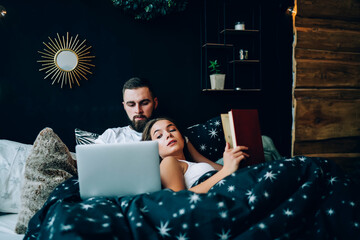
(119, 135)
(195, 171)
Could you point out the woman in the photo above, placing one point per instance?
(176, 172)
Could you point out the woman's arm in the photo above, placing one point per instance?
(172, 174)
(197, 157)
(232, 158)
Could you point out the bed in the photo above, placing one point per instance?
(7, 226)
(283, 198)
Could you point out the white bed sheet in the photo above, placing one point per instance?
(7, 226)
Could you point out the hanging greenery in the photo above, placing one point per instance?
(149, 9)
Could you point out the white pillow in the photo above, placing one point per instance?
(13, 156)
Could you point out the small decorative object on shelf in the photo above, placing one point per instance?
(217, 79)
(246, 56)
(239, 26)
(241, 54)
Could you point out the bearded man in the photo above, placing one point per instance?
(139, 103)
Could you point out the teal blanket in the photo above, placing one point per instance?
(294, 198)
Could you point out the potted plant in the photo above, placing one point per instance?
(217, 79)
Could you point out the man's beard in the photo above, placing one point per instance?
(140, 124)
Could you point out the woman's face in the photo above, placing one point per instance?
(171, 142)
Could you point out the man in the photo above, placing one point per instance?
(139, 103)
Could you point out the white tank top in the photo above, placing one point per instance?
(195, 171)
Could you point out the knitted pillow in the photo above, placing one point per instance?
(49, 164)
(208, 138)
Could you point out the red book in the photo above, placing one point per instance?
(242, 128)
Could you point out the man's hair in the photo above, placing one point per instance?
(135, 82)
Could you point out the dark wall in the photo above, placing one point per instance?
(165, 50)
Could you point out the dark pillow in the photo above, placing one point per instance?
(208, 138)
(84, 137)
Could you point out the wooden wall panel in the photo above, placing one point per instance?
(327, 73)
(319, 119)
(328, 39)
(314, 54)
(340, 94)
(339, 145)
(326, 89)
(325, 23)
(334, 9)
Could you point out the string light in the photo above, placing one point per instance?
(2, 12)
(291, 11)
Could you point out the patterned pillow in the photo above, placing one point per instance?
(13, 156)
(208, 138)
(83, 137)
(49, 164)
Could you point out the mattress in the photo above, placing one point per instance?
(7, 226)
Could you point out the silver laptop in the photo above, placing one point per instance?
(115, 170)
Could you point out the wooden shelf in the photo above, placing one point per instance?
(222, 42)
(239, 32)
(218, 45)
(244, 61)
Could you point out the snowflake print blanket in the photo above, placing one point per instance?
(295, 198)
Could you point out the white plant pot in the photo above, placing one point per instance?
(217, 81)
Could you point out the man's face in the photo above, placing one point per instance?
(139, 106)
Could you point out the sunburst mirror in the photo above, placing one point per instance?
(66, 61)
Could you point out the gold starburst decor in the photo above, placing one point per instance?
(66, 61)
